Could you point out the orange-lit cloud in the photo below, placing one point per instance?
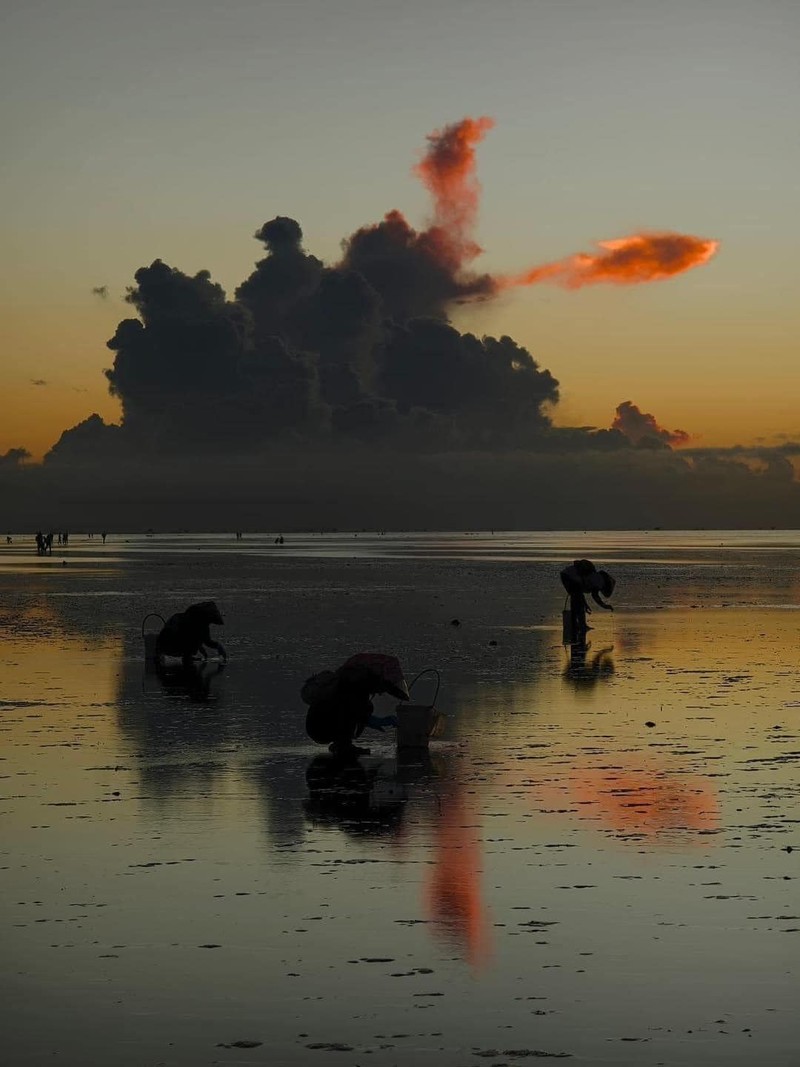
(447, 170)
(632, 260)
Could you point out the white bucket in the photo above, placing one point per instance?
(417, 724)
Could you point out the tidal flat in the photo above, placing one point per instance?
(598, 860)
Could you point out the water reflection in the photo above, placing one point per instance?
(369, 797)
(362, 797)
(647, 802)
(453, 893)
(585, 670)
(188, 682)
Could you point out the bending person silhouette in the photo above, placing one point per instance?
(187, 634)
(579, 578)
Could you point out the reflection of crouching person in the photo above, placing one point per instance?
(187, 634)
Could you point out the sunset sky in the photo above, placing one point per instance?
(173, 131)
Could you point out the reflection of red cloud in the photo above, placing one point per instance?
(454, 892)
(647, 802)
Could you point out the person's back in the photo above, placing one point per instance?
(343, 710)
(185, 633)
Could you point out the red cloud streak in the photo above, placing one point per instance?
(632, 260)
(448, 171)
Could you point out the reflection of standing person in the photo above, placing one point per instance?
(579, 578)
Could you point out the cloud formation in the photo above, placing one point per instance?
(362, 350)
(642, 430)
(315, 387)
(632, 260)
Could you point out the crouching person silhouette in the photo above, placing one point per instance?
(187, 634)
(340, 702)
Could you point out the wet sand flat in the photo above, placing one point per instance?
(598, 860)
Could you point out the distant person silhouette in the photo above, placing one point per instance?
(187, 633)
(104, 535)
(579, 578)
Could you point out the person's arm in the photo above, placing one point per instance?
(380, 722)
(599, 600)
(210, 643)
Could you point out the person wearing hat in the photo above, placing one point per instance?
(340, 702)
(579, 578)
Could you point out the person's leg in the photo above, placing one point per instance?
(578, 610)
(346, 725)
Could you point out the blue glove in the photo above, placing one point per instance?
(378, 722)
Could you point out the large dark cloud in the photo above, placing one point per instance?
(300, 485)
(310, 352)
(408, 269)
(342, 395)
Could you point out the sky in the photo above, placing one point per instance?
(175, 130)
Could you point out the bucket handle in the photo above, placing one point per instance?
(152, 615)
(428, 670)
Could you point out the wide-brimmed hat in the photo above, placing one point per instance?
(385, 668)
(607, 583)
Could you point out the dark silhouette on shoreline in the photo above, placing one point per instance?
(579, 578)
(187, 634)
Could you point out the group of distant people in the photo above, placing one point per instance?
(45, 541)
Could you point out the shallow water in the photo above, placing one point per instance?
(597, 860)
